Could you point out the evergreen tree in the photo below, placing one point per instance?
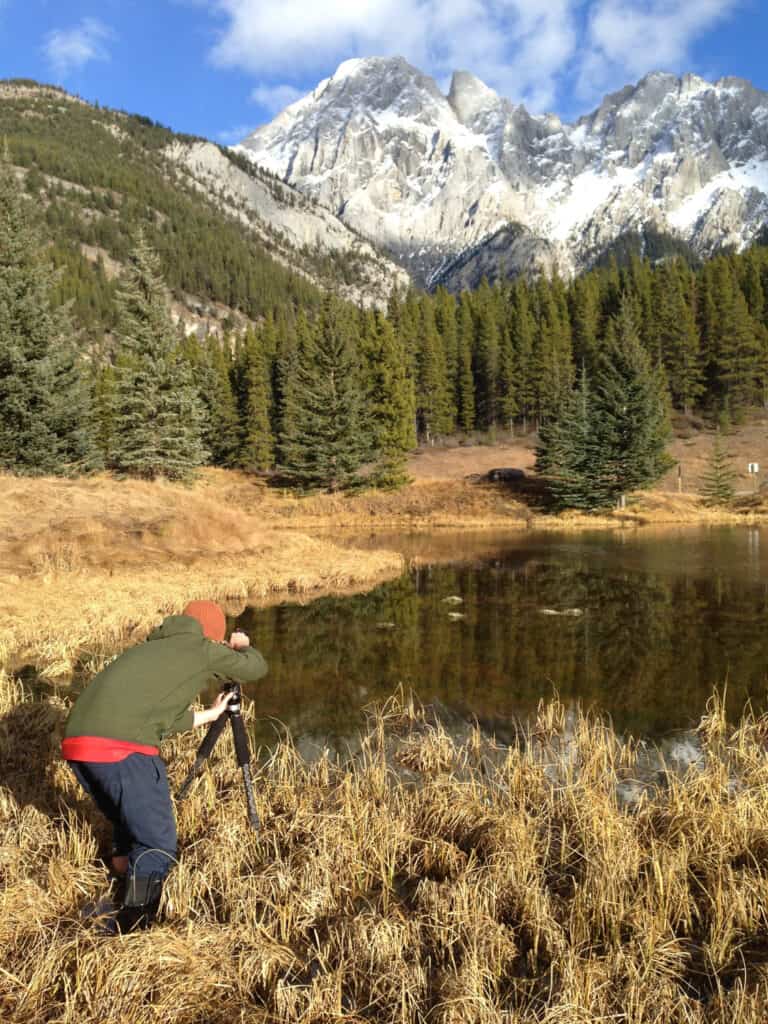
(447, 328)
(585, 314)
(432, 394)
(465, 383)
(103, 408)
(631, 413)
(257, 450)
(522, 331)
(677, 337)
(325, 440)
(507, 404)
(611, 439)
(737, 354)
(390, 401)
(752, 286)
(706, 321)
(487, 346)
(552, 356)
(639, 284)
(223, 437)
(290, 349)
(717, 481)
(159, 419)
(565, 453)
(45, 419)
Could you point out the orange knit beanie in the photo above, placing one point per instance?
(210, 617)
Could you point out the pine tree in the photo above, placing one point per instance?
(506, 401)
(465, 383)
(257, 449)
(45, 418)
(223, 438)
(487, 356)
(103, 407)
(737, 354)
(752, 286)
(677, 337)
(390, 401)
(522, 332)
(325, 440)
(639, 284)
(445, 319)
(706, 321)
(553, 358)
(432, 393)
(585, 315)
(611, 438)
(717, 481)
(158, 415)
(565, 453)
(631, 413)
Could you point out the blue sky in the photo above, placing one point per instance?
(219, 68)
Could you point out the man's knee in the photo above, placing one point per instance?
(147, 813)
(154, 860)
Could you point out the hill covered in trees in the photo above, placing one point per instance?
(225, 246)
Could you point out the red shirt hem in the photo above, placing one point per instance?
(102, 749)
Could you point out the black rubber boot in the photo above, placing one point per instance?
(141, 903)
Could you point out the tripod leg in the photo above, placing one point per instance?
(242, 750)
(215, 730)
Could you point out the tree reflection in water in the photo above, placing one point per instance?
(665, 619)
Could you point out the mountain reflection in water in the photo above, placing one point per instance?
(642, 625)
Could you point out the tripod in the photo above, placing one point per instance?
(242, 750)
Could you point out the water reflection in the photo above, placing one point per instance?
(653, 622)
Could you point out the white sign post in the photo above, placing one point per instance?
(753, 468)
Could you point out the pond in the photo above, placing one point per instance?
(640, 624)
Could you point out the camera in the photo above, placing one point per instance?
(234, 702)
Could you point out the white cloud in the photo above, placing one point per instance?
(518, 45)
(632, 37)
(535, 51)
(70, 49)
(275, 98)
(229, 136)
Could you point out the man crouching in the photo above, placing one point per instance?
(113, 733)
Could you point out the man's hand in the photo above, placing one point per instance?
(239, 641)
(216, 710)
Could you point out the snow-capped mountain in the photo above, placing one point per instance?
(456, 182)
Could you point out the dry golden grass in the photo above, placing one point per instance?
(87, 565)
(430, 881)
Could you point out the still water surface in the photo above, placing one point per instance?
(642, 625)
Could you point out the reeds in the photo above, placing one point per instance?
(89, 565)
(433, 879)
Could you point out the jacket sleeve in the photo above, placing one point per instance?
(246, 666)
(181, 723)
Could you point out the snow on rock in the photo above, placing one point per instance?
(434, 177)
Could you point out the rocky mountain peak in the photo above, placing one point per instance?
(468, 97)
(435, 178)
(379, 83)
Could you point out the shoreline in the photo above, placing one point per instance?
(91, 565)
(62, 621)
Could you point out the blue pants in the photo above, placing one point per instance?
(134, 795)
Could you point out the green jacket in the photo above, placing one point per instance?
(144, 694)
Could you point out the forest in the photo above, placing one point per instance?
(300, 383)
